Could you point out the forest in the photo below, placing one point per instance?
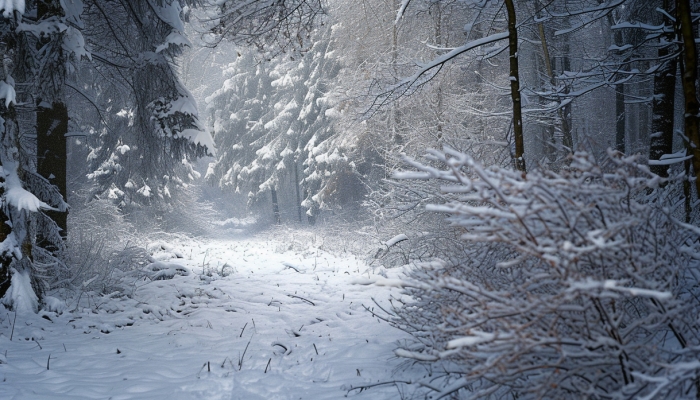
(506, 192)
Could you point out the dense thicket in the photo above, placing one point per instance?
(554, 281)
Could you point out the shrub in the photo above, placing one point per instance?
(573, 284)
(101, 253)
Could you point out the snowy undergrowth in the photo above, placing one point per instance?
(577, 284)
(360, 239)
(236, 319)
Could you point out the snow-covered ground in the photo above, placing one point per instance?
(244, 319)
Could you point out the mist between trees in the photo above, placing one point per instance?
(552, 235)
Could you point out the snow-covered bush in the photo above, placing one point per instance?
(399, 206)
(574, 284)
(102, 252)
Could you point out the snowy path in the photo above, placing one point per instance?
(295, 314)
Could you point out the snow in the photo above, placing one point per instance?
(21, 295)
(254, 319)
(7, 92)
(9, 6)
(161, 270)
(74, 42)
(170, 14)
(43, 28)
(199, 137)
(669, 159)
(53, 304)
(402, 9)
(479, 337)
(396, 239)
(145, 191)
(24, 200)
(16, 195)
(175, 38)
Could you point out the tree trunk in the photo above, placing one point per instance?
(5, 227)
(662, 112)
(6, 256)
(52, 126)
(551, 138)
(515, 87)
(566, 123)
(393, 117)
(52, 120)
(689, 78)
(296, 186)
(275, 207)
(620, 120)
(10, 225)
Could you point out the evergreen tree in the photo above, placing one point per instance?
(273, 123)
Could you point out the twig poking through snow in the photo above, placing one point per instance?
(287, 349)
(302, 299)
(200, 370)
(13, 326)
(240, 361)
(281, 345)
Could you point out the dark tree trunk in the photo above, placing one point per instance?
(563, 113)
(6, 255)
(550, 130)
(8, 117)
(567, 134)
(515, 87)
(296, 186)
(275, 207)
(689, 79)
(52, 126)
(52, 121)
(620, 121)
(662, 112)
